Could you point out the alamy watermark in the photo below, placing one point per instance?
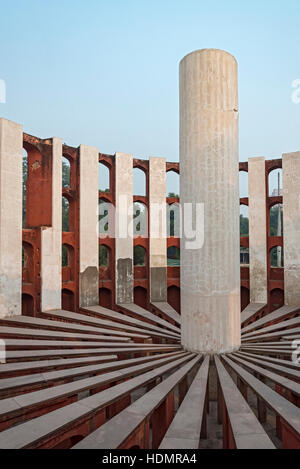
(2, 351)
(296, 353)
(296, 93)
(2, 91)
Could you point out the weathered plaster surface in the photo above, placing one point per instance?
(257, 230)
(11, 144)
(210, 275)
(158, 229)
(124, 228)
(291, 227)
(51, 239)
(88, 236)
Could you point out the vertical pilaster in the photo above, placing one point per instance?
(11, 144)
(88, 226)
(158, 229)
(257, 230)
(124, 228)
(291, 227)
(51, 239)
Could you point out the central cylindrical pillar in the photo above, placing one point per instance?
(209, 196)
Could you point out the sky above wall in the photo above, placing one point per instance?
(105, 73)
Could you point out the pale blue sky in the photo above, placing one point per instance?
(105, 72)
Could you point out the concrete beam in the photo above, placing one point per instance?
(257, 230)
(291, 227)
(11, 145)
(158, 229)
(124, 228)
(51, 239)
(88, 223)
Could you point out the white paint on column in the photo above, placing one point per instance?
(257, 230)
(11, 145)
(51, 239)
(209, 175)
(124, 228)
(88, 223)
(158, 229)
(291, 227)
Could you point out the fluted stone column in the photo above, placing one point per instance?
(209, 175)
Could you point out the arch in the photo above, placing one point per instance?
(245, 297)
(139, 182)
(173, 256)
(24, 185)
(65, 214)
(140, 219)
(275, 182)
(68, 262)
(27, 305)
(27, 262)
(277, 257)
(67, 300)
(103, 177)
(244, 220)
(173, 220)
(140, 296)
(173, 184)
(66, 172)
(105, 218)
(105, 298)
(276, 220)
(243, 183)
(276, 299)
(244, 256)
(104, 256)
(139, 256)
(174, 297)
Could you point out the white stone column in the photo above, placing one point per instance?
(51, 239)
(11, 145)
(257, 230)
(124, 228)
(158, 229)
(209, 175)
(88, 226)
(291, 227)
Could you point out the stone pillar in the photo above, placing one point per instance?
(88, 235)
(158, 229)
(291, 227)
(51, 239)
(124, 228)
(257, 230)
(11, 144)
(209, 176)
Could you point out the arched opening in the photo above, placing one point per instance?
(140, 219)
(173, 256)
(103, 178)
(174, 297)
(276, 299)
(277, 257)
(103, 256)
(139, 182)
(27, 305)
(105, 298)
(65, 214)
(245, 297)
(140, 297)
(275, 182)
(66, 172)
(243, 184)
(139, 256)
(67, 300)
(68, 266)
(276, 220)
(24, 185)
(173, 220)
(27, 263)
(173, 184)
(244, 256)
(244, 221)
